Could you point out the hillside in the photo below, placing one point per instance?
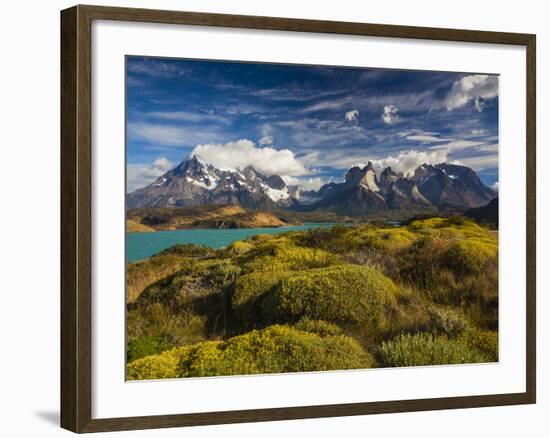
(211, 216)
(344, 297)
(487, 214)
(136, 227)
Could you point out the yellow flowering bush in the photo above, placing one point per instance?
(347, 294)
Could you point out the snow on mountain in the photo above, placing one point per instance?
(196, 182)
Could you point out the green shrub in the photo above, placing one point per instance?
(337, 239)
(157, 322)
(411, 315)
(446, 321)
(456, 227)
(426, 349)
(258, 238)
(188, 250)
(145, 346)
(167, 262)
(322, 328)
(281, 255)
(423, 225)
(249, 292)
(202, 359)
(277, 349)
(222, 274)
(347, 294)
(485, 341)
(470, 256)
(195, 280)
(239, 248)
(141, 274)
(478, 293)
(158, 366)
(389, 240)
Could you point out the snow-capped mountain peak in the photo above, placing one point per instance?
(196, 182)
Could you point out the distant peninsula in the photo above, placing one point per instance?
(211, 216)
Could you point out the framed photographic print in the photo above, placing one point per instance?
(268, 219)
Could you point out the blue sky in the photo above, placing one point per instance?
(308, 124)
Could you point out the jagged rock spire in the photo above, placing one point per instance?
(365, 177)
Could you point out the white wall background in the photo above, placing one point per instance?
(29, 216)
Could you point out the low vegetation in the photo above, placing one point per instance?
(340, 297)
(210, 216)
(136, 227)
(408, 350)
(276, 349)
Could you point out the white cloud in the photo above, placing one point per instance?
(266, 140)
(389, 115)
(352, 116)
(479, 131)
(410, 132)
(188, 116)
(157, 68)
(168, 135)
(241, 153)
(140, 175)
(314, 183)
(408, 161)
(310, 159)
(480, 104)
(459, 144)
(488, 148)
(331, 104)
(316, 132)
(425, 138)
(400, 161)
(134, 82)
(495, 186)
(473, 87)
(481, 162)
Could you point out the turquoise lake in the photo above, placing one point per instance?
(142, 245)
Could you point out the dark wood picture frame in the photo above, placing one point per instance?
(76, 217)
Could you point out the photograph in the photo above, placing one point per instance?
(285, 218)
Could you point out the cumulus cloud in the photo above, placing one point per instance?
(139, 175)
(266, 140)
(408, 161)
(352, 116)
(389, 115)
(241, 153)
(477, 88)
(495, 186)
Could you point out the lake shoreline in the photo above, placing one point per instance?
(142, 245)
(154, 230)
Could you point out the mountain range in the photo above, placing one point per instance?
(440, 187)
